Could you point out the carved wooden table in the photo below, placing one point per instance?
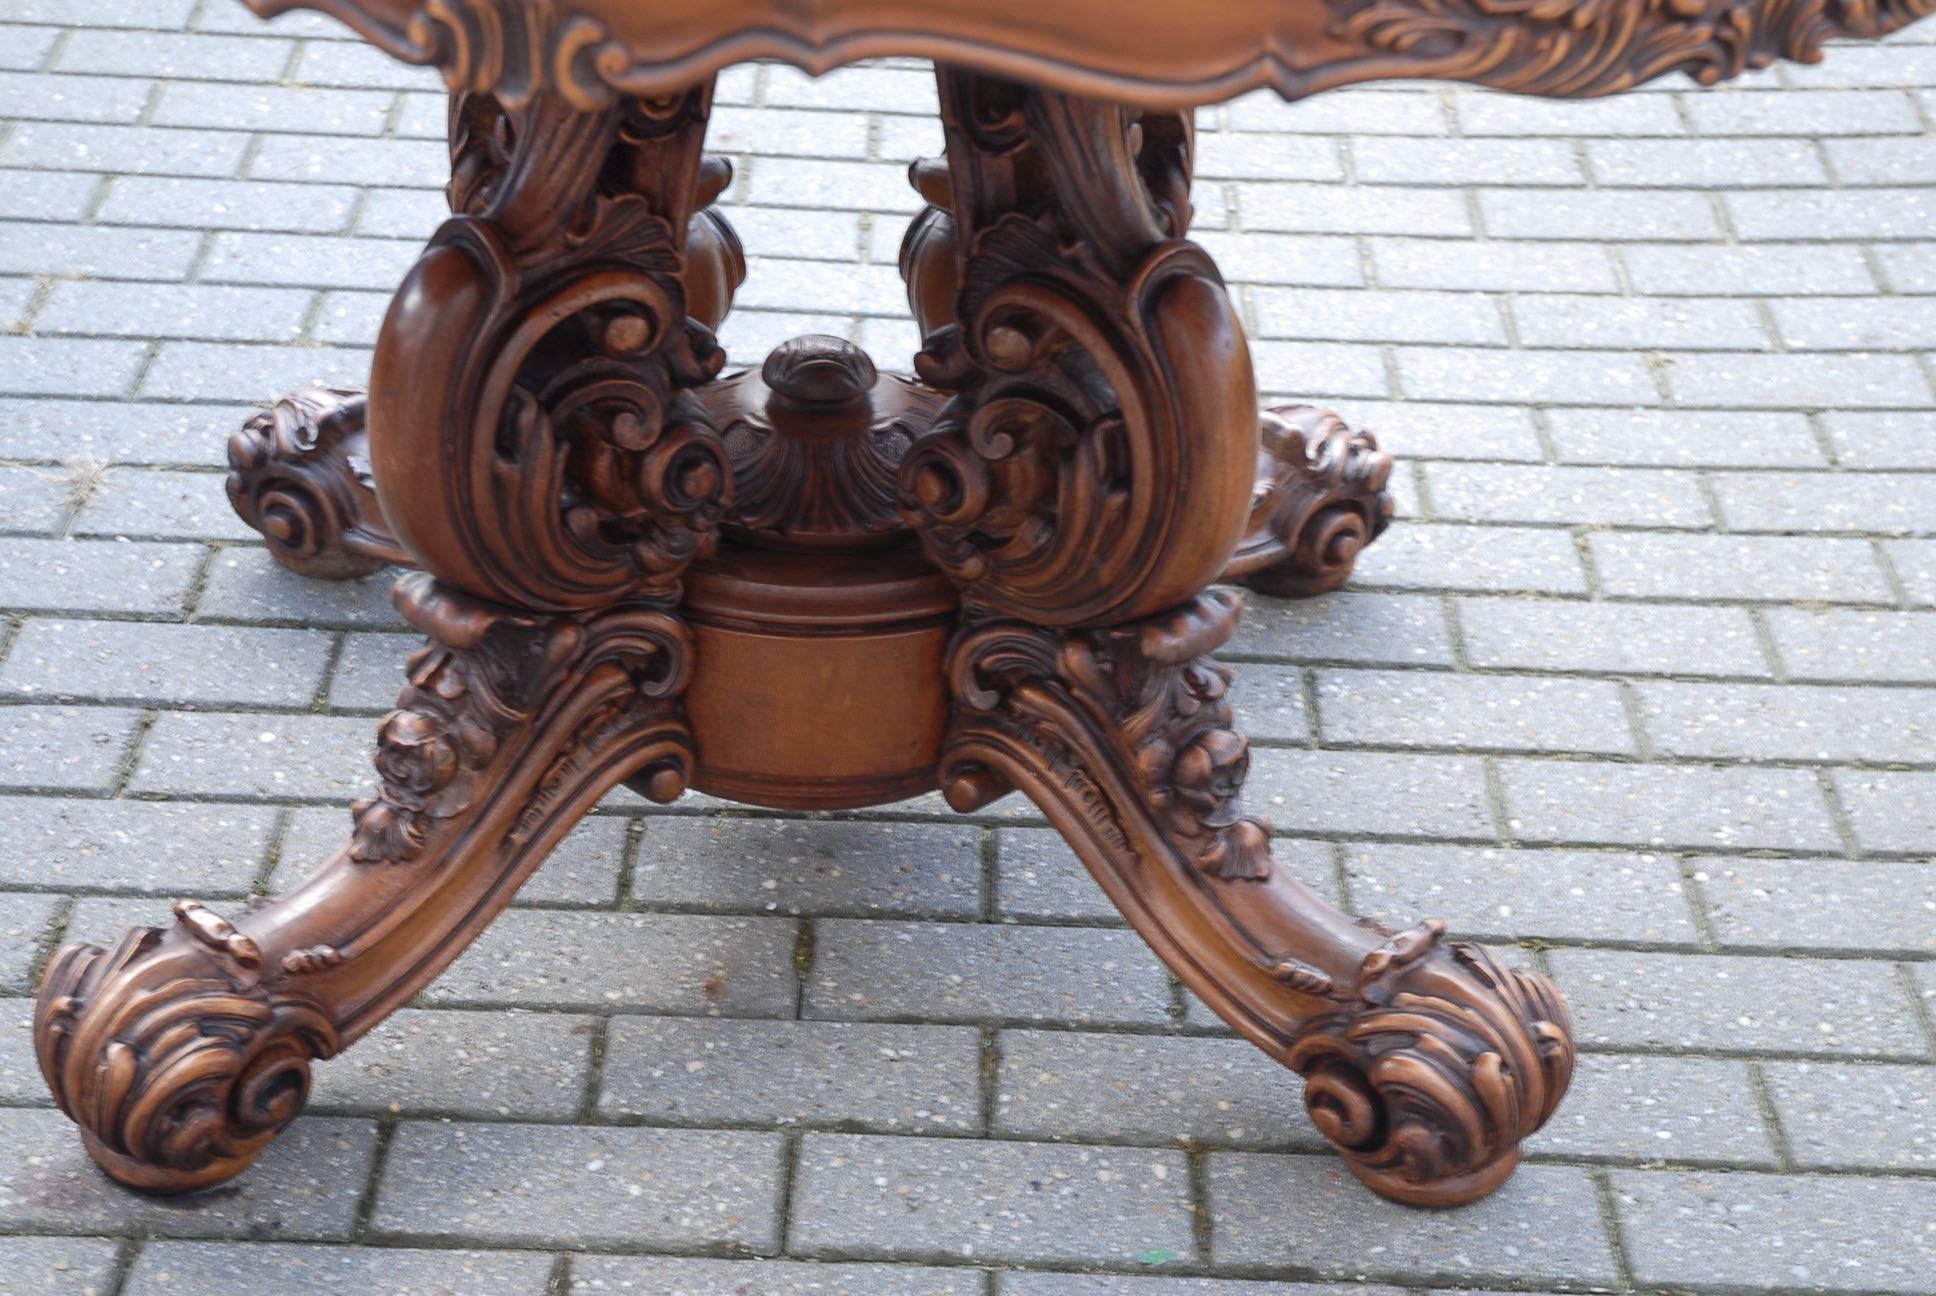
(812, 587)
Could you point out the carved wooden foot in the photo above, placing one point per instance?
(1425, 1063)
(1320, 499)
(182, 1053)
(300, 474)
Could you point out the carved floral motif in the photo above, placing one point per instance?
(1320, 498)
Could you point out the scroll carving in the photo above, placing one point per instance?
(1095, 356)
(1320, 499)
(557, 356)
(300, 474)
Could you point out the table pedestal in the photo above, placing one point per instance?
(809, 587)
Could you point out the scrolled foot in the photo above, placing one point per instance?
(1320, 499)
(1440, 1062)
(300, 474)
(176, 1061)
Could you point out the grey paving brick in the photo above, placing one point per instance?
(220, 106)
(149, 846)
(1493, 266)
(1826, 1233)
(1683, 438)
(51, 196)
(305, 1186)
(582, 870)
(1895, 161)
(1323, 369)
(1386, 160)
(21, 1084)
(1878, 503)
(1376, 316)
(142, 310)
(1782, 214)
(227, 204)
(1709, 1002)
(844, 186)
(870, 1197)
(670, 1276)
(878, 89)
(236, 1269)
(1269, 702)
(1908, 267)
(1613, 638)
(1658, 1109)
(309, 261)
(1608, 215)
(166, 54)
(1839, 1115)
(129, 661)
(24, 933)
(958, 972)
(1501, 114)
(1268, 157)
(35, 366)
(1753, 568)
(137, 13)
(1566, 495)
(1496, 894)
(351, 318)
(1350, 209)
(370, 671)
(1705, 163)
(1748, 269)
(1838, 644)
(84, 435)
(1420, 556)
(133, 150)
(35, 499)
(1472, 712)
(582, 1187)
(1441, 430)
(1915, 563)
(859, 289)
(1370, 110)
(1810, 112)
(159, 504)
(277, 757)
(502, 1065)
(1386, 793)
(401, 213)
(1026, 1283)
(28, 47)
(66, 748)
(1192, 1090)
(1368, 629)
(1820, 904)
(809, 867)
(814, 235)
(95, 575)
(345, 63)
(1890, 811)
(737, 967)
(1885, 439)
(1658, 805)
(213, 371)
(1037, 876)
(249, 585)
(1656, 323)
(56, 1266)
(53, 97)
(1796, 381)
(1865, 324)
(1307, 260)
(1788, 722)
(866, 1076)
(1271, 1210)
(420, 163)
(1558, 377)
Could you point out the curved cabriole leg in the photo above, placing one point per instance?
(537, 446)
(1425, 1062)
(1320, 498)
(182, 1053)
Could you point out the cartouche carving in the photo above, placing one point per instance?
(1445, 1061)
(1320, 499)
(300, 474)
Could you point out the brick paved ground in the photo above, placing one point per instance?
(1644, 682)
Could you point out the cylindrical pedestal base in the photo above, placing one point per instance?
(817, 680)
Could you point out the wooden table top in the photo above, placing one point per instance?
(1158, 53)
